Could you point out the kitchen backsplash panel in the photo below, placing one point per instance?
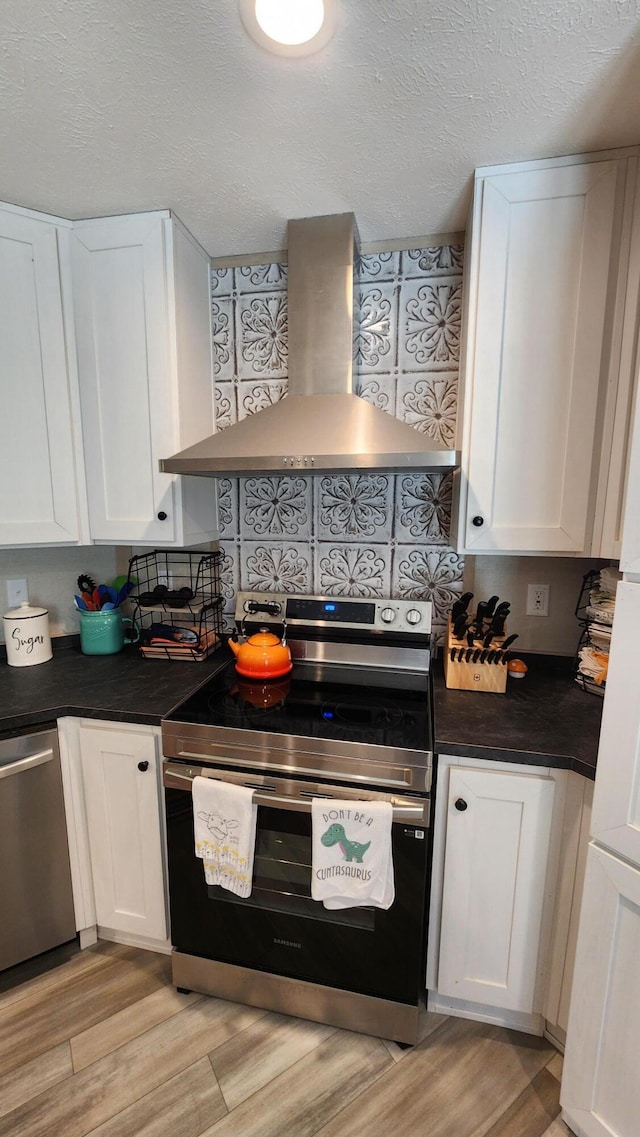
(369, 534)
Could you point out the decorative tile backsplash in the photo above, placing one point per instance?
(368, 534)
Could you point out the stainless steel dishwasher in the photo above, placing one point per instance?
(36, 900)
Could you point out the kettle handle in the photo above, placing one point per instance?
(243, 630)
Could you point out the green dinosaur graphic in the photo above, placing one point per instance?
(351, 850)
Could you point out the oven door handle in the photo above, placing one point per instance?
(401, 812)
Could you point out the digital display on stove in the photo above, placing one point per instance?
(340, 611)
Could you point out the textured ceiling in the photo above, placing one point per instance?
(111, 106)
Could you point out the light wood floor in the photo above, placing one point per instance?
(103, 1046)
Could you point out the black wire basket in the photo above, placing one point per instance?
(177, 603)
(589, 625)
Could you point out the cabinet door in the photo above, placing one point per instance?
(630, 554)
(38, 503)
(497, 843)
(600, 1086)
(120, 771)
(540, 258)
(121, 305)
(616, 804)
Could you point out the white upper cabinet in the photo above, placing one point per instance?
(141, 296)
(545, 339)
(40, 484)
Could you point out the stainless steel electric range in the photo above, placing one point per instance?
(351, 721)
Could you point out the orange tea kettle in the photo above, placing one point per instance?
(263, 656)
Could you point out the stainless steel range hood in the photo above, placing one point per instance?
(322, 425)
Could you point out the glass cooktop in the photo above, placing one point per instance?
(356, 704)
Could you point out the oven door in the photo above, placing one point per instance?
(279, 928)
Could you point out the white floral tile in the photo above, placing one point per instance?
(379, 390)
(423, 508)
(357, 534)
(441, 260)
(271, 277)
(222, 281)
(377, 266)
(262, 347)
(222, 337)
(356, 507)
(376, 328)
(275, 507)
(227, 489)
(423, 573)
(283, 566)
(230, 573)
(225, 405)
(253, 397)
(352, 570)
(429, 324)
(429, 403)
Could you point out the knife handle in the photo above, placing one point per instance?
(481, 614)
(460, 626)
(507, 643)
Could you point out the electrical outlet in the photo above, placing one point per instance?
(17, 592)
(538, 600)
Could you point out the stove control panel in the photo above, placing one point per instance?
(374, 614)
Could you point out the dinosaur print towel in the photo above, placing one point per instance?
(224, 825)
(351, 859)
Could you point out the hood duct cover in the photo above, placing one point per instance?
(321, 425)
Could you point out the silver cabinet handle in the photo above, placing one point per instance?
(26, 763)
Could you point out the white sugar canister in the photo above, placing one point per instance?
(26, 634)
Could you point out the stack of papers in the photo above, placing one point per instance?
(593, 656)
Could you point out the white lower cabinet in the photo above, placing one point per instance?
(495, 860)
(600, 1094)
(112, 775)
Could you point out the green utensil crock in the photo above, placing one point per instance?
(103, 633)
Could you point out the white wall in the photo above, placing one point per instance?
(51, 576)
(556, 633)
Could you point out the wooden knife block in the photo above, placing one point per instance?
(472, 676)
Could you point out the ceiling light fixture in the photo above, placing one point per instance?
(289, 27)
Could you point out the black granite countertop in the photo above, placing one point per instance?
(544, 719)
(122, 688)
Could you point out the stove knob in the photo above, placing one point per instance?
(387, 615)
(414, 616)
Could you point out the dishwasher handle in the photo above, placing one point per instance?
(22, 764)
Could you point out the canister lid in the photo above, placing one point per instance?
(25, 612)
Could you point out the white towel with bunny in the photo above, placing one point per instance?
(224, 826)
(351, 856)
